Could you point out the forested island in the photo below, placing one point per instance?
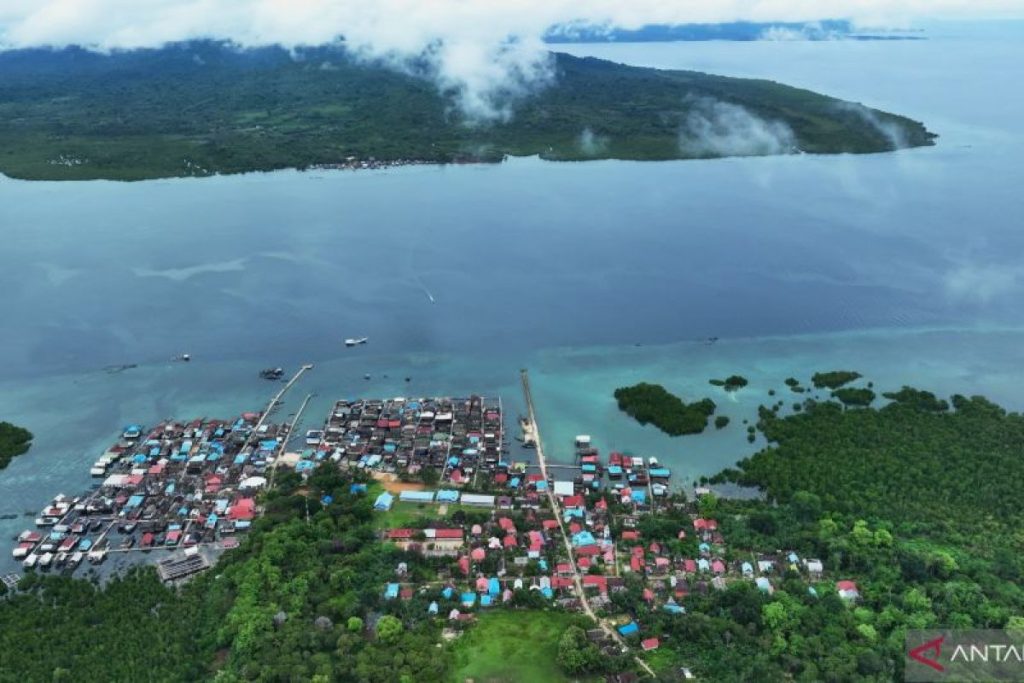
(206, 107)
(832, 380)
(730, 383)
(652, 403)
(14, 441)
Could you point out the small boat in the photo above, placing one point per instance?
(653, 462)
(127, 543)
(356, 341)
(45, 560)
(185, 357)
(131, 432)
(75, 560)
(313, 437)
(30, 561)
(272, 374)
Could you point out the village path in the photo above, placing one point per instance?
(532, 433)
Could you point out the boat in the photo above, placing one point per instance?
(131, 432)
(127, 543)
(272, 373)
(98, 555)
(652, 461)
(30, 561)
(356, 341)
(75, 560)
(313, 437)
(45, 560)
(21, 550)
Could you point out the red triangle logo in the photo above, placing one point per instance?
(918, 653)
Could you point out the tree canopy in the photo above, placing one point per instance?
(14, 441)
(652, 403)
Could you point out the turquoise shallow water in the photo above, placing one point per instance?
(906, 267)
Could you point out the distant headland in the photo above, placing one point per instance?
(204, 108)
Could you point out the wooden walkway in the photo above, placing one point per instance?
(532, 432)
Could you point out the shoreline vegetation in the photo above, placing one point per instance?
(14, 441)
(203, 108)
(912, 508)
(652, 403)
(731, 383)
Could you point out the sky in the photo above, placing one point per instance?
(482, 50)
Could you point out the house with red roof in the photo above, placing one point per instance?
(847, 590)
(701, 524)
(650, 644)
(243, 509)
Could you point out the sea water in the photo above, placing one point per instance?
(905, 266)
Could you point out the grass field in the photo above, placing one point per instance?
(510, 647)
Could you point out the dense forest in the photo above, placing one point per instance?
(14, 441)
(301, 599)
(917, 501)
(652, 403)
(205, 107)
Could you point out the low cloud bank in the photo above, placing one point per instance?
(483, 52)
(716, 128)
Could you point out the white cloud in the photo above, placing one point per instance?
(481, 49)
(982, 283)
(715, 128)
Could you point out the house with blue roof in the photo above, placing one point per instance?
(384, 501)
(583, 538)
(357, 488)
(468, 599)
(638, 496)
(629, 629)
(493, 586)
(391, 592)
(447, 496)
